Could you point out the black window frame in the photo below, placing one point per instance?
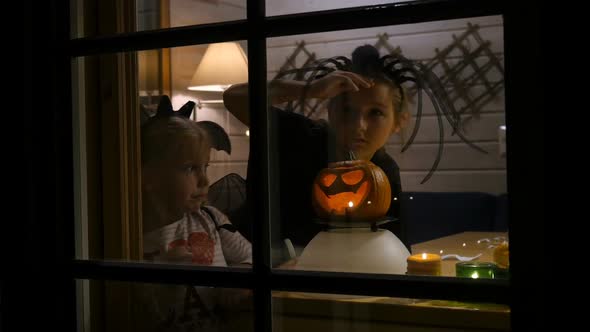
(524, 183)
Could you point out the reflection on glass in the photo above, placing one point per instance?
(151, 15)
(421, 103)
(327, 312)
(183, 13)
(188, 206)
(284, 7)
(149, 72)
(125, 306)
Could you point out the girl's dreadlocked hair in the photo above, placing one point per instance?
(399, 72)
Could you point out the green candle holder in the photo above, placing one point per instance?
(475, 270)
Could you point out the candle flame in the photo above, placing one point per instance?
(441, 251)
(475, 275)
(464, 244)
(423, 255)
(350, 204)
(369, 203)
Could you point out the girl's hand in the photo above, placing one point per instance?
(337, 82)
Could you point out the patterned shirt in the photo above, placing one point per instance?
(195, 239)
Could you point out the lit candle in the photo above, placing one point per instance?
(475, 270)
(425, 264)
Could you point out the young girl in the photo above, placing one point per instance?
(178, 225)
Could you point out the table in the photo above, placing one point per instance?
(464, 244)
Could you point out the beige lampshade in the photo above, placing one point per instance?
(222, 65)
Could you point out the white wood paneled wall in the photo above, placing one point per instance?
(461, 168)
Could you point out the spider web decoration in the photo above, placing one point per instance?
(461, 65)
(448, 80)
(316, 108)
(228, 194)
(383, 42)
(473, 68)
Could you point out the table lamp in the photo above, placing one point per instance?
(222, 65)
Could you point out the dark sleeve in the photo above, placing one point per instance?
(299, 150)
(391, 169)
(298, 126)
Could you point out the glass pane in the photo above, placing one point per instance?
(283, 7)
(428, 114)
(341, 312)
(158, 186)
(93, 19)
(126, 306)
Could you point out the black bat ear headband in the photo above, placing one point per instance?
(217, 135)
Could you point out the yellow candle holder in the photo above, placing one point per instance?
(424, 264)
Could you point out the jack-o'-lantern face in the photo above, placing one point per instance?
(351, 189)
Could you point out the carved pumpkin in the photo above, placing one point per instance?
(353, 190)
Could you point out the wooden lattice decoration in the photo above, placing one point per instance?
(291, 62)
(306, 58)
(463, 72)
(382, 42)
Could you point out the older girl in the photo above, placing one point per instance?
(366, 105)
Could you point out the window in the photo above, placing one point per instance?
(262, 279)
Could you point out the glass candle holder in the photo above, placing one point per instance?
(475, 270)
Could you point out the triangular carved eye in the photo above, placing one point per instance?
(353, 177)
(328, 179)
